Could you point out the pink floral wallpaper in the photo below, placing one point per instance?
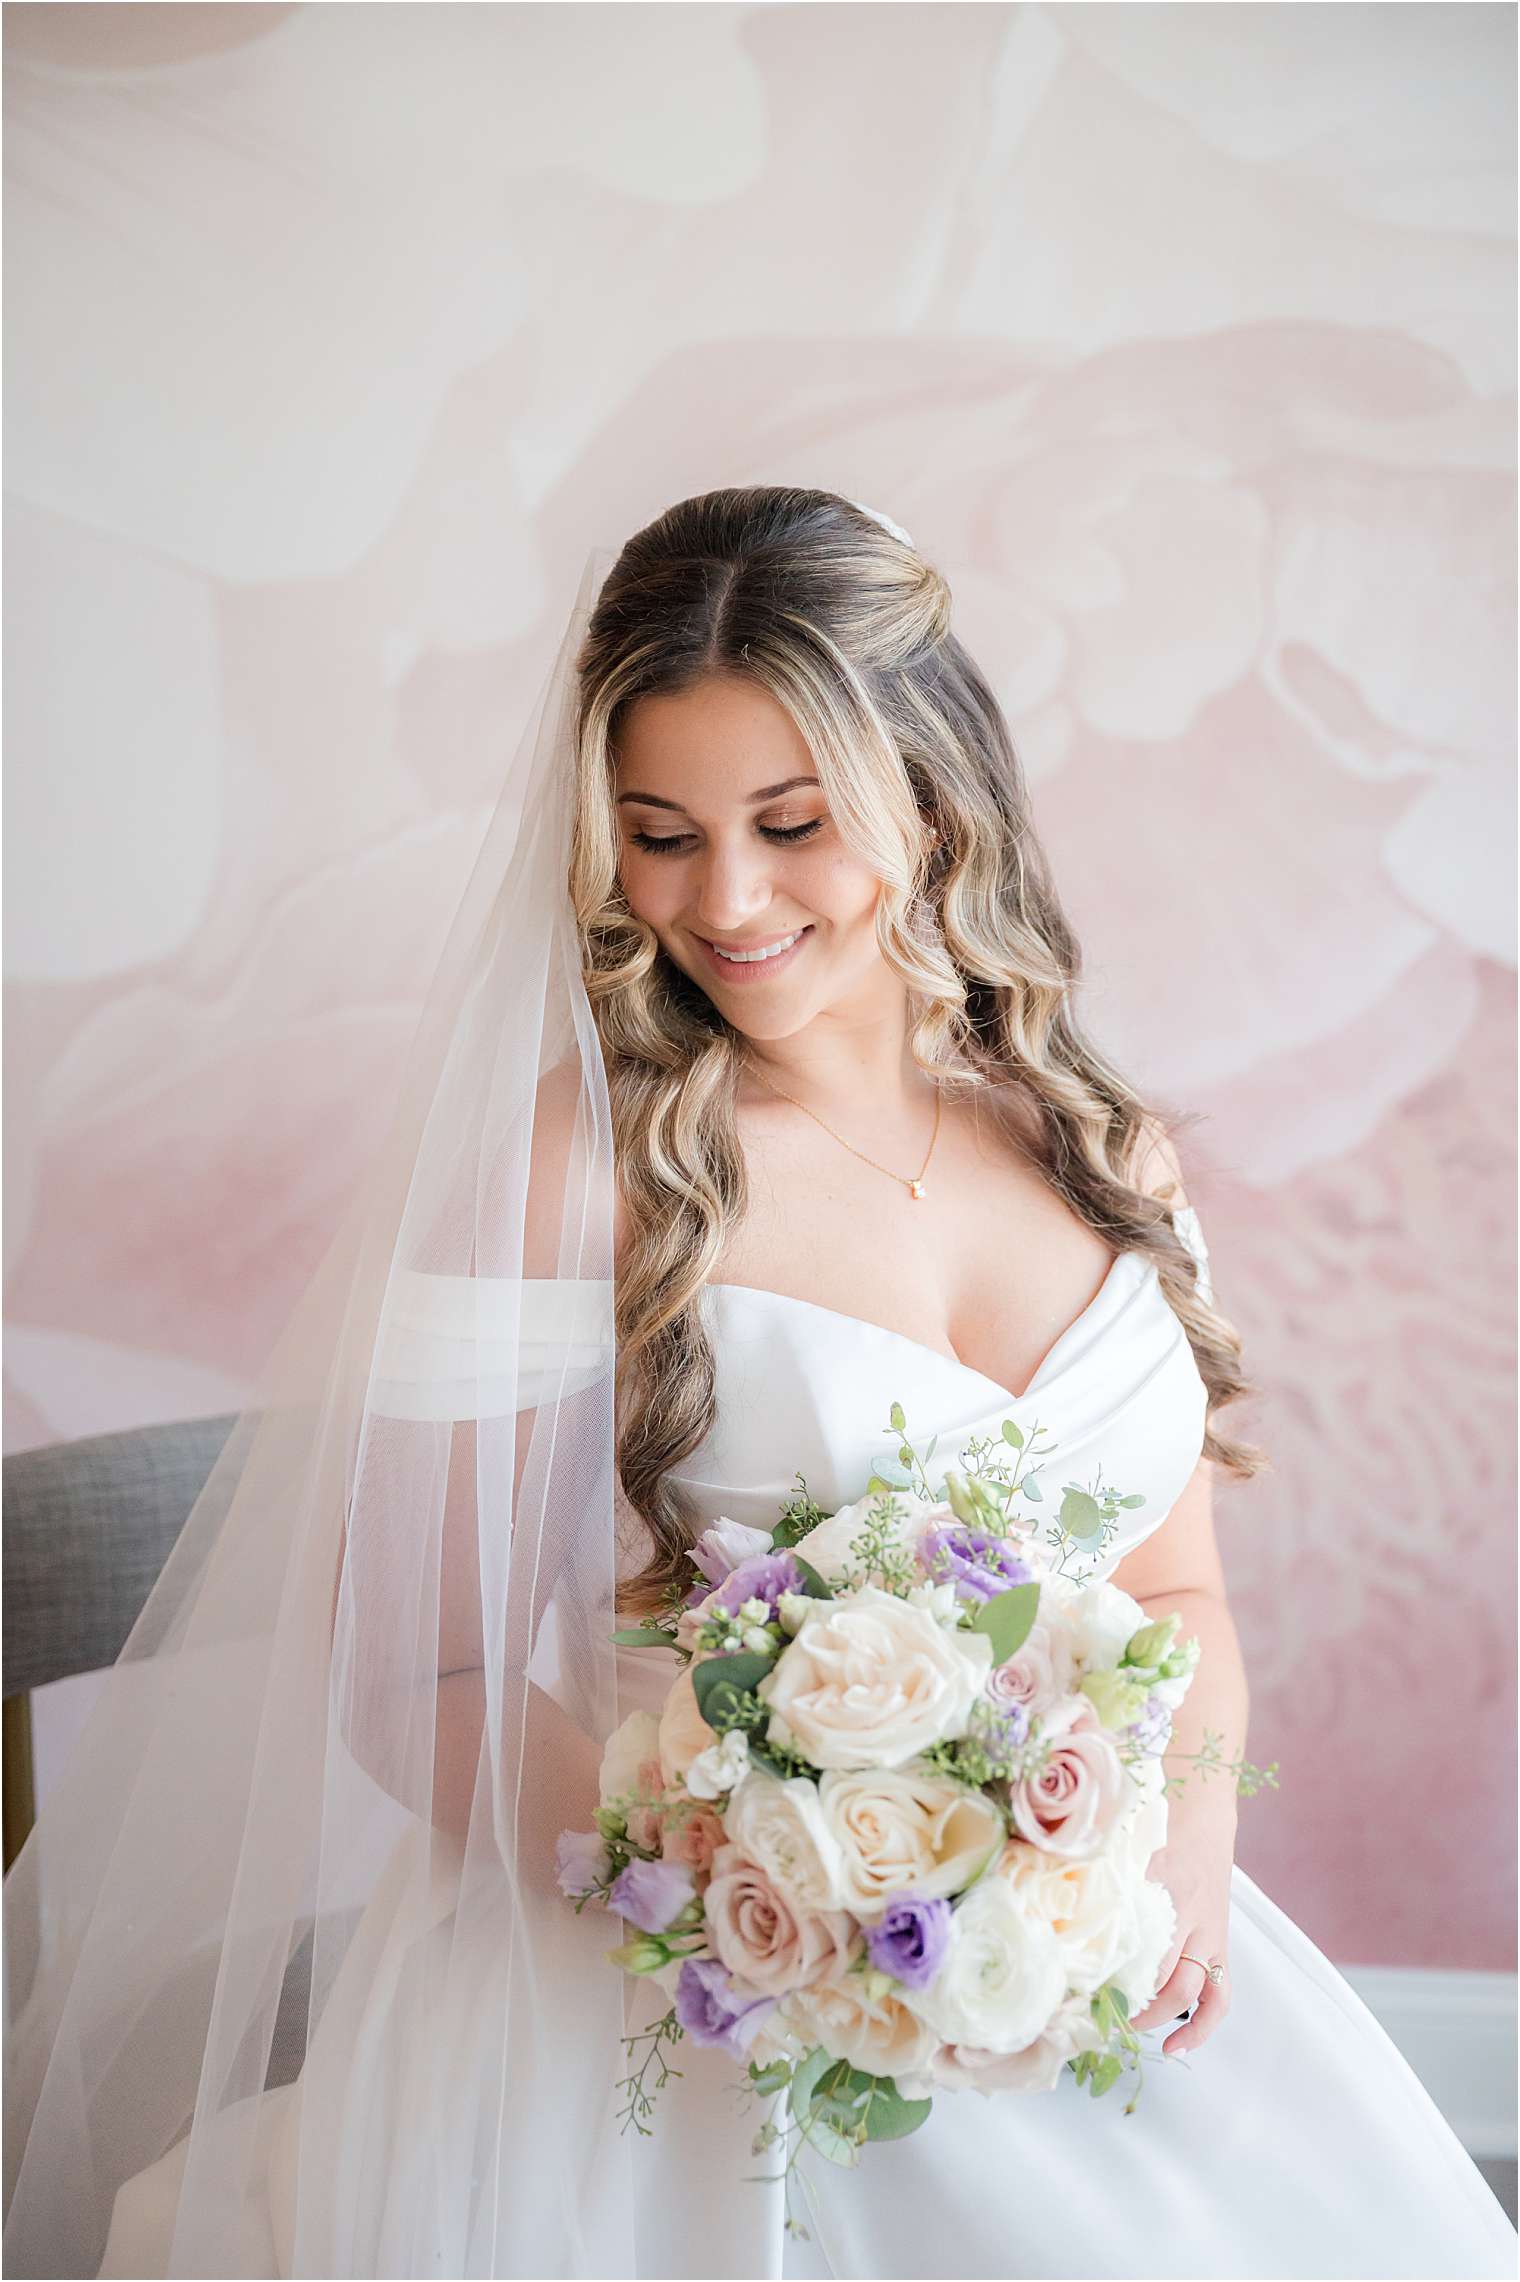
(1181, 337)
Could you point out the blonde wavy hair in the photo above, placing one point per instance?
(847, 627)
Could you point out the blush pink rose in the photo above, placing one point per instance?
(644, 1825)
(645, 1816)
(693, 1836)
(1037, 1675)
(766, 1942)
(1074, 1799)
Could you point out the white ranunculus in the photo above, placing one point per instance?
(828, 1547)
(781, 1826)
(1089, 1906)
(871, 1681)
(1153, 1923)
(1035, 2068)
(898, 1828)
(1002, 1977)
(627, 1749)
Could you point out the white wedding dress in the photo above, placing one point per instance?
(1296, 2142)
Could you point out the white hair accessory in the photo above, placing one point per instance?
(885, 521)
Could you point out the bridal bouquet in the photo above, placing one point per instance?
(889, 1833)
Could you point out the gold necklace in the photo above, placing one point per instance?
(914, 1187)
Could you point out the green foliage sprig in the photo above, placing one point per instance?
(639, 2095)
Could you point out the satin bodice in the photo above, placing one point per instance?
(1118, 1404)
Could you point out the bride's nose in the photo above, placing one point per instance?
(734, 886)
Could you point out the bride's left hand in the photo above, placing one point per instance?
(1194, 1866)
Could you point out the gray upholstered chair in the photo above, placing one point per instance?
(88, 1527)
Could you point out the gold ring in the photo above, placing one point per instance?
(1214, 1972)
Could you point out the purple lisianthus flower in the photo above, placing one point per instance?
(764, 1577)
(977, 1562)
(581, 1862)
(713, 2011)
(651, 1894)
(721, 1548)
(909, 1939)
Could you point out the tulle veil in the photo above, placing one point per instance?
(351, 1717)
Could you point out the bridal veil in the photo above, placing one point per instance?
(361, 1693)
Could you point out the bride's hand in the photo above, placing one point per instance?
(1194, 1866)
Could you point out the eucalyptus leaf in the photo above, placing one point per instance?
(890, 2116)
(1006, 1619)
(805, 2075)
(878, 1482)
(642, 1636)
(718, 1680)
(1081, 1516)
(1134, 1500)
(810, 2114)
(1012, 1435)
(899, 1418)
(1030, 1486)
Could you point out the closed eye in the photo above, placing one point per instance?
(781, 833)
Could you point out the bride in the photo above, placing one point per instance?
(750, 1100)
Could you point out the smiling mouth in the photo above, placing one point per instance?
(755, 960)
(760, 952)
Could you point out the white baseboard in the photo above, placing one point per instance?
(1457, 2031)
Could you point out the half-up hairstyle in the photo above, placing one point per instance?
(848, 628)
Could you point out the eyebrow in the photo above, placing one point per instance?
(766, 792)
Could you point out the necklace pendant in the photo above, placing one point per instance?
(917, 1187)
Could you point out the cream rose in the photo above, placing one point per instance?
(870, 1681)
(637, 1740)
(1072, 1801)
(766, 1943)
(1002, 1977)
(880, 2035)
(828, 1547)
(781, 1826)
(682, 1734)
(899, 1828)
